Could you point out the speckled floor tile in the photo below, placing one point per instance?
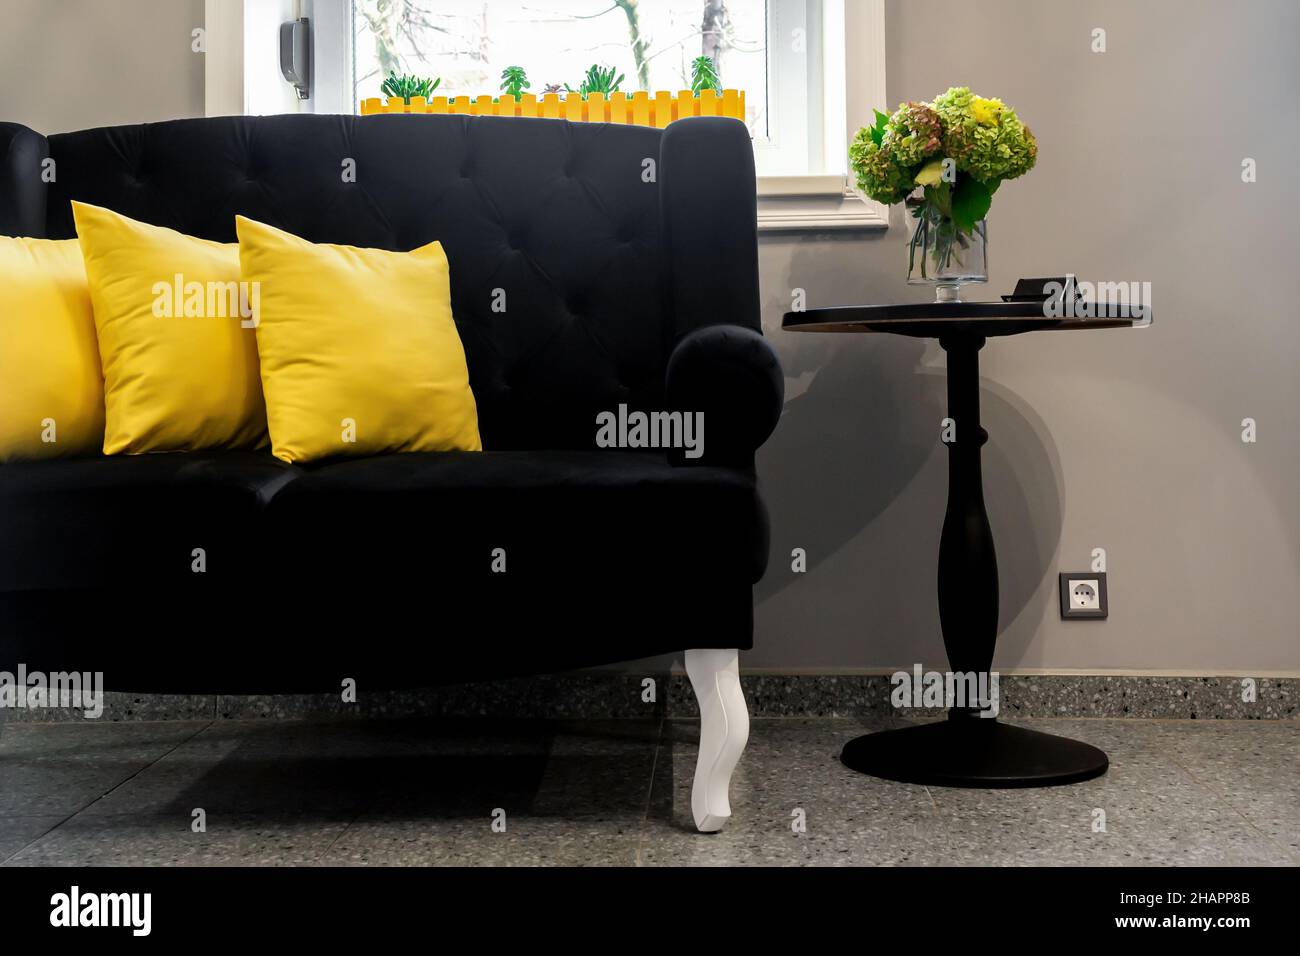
(93, 739)
(59, 768)
(333, 770)
(617, 792)
(166, 840)
(1155, 812)
(573, 793)
(1252, 767)
(17, 832)
(791, 771)
(527, 841)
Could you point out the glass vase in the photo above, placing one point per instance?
(942, 255)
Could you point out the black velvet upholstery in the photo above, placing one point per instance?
(22, 192)
(583, 515)
(583, 278)
(710, 224)
(206, 638)
(106, 520)
(732, 376)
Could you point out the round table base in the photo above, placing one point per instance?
(974, 752)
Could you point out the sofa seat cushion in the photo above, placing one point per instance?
(570, 515)
(134, 518)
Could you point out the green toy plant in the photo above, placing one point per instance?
(704, 75)
(599, 79)
(514, 81)
(409, 86)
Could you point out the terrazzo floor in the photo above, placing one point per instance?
(421, 792)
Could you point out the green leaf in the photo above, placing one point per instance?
(878, 131)
(970, 203)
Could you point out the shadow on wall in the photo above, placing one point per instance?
(857, 454)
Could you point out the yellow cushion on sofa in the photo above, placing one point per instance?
(51, 388)
(180, 367)
(358, 349)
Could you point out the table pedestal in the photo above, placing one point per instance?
(968, 750)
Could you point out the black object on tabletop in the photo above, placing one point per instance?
(967, 749)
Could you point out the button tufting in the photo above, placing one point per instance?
(567, 287)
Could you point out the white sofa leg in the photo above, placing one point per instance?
(724, 730)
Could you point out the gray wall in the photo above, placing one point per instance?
(75, 64)
(1127, 440)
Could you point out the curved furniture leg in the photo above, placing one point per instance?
(724, 730)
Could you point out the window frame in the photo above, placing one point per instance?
(845, 50)
(852, 57)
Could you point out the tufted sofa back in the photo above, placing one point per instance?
(565, 289)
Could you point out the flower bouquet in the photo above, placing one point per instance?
(956, 150)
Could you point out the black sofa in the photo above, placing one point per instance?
(628, 260)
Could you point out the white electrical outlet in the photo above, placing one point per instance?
(1083, 595)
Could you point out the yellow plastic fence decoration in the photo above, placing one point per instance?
(638, 109)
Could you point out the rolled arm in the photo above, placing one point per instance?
(732, 376)
(721, 365)
(22, 189)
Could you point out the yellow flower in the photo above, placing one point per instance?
(986, 112)
(931, 173)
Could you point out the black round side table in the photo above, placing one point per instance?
(966, 750)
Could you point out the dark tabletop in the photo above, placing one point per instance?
(935, 319)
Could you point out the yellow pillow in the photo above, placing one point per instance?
(180, 367)
(358, 349)
(51, 389)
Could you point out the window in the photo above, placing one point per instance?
(771, 49)
(796, 60)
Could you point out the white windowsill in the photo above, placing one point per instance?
(800, 185)
(815, 203)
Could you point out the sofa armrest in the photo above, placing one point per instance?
(732, 376)
(709, 214)
(22, 190)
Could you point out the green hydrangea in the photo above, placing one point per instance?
(914, 134)
(879, 175)
(984, 136)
